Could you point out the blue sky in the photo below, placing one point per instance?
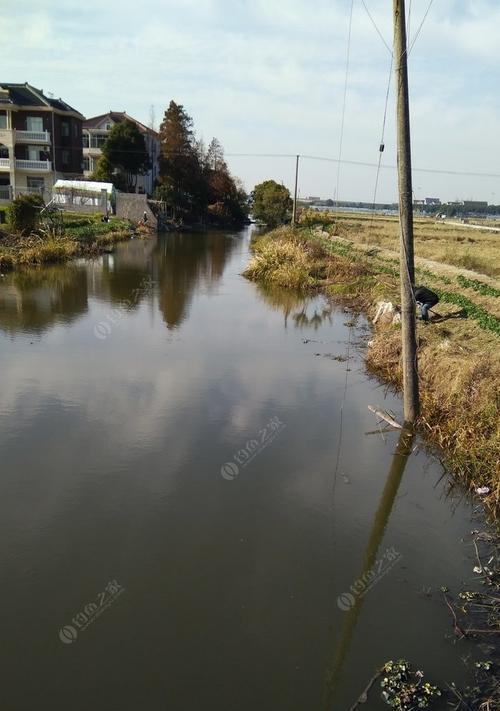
(268, 77)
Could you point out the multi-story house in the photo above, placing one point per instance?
(95, 132)
(40, 140)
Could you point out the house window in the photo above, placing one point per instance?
(97, 141)
(36, 185)
(4, 151)
(35, 153)
(75, 130)
(34, 123)
(3, 120)
(64, 128)
(108, 127)
(86, 163)
(85, 140)
(65, 157)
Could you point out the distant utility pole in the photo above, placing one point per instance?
(407, 268)
(294, 215)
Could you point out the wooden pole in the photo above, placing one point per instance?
(407, 269)
(294, 215)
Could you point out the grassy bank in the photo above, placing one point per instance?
(76, 235)
(459, 360)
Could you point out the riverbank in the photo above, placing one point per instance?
(459, 360)
(76, 236)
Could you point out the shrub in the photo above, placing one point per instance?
(24, 213)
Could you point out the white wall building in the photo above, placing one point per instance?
(95, 132)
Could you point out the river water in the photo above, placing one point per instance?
(193, 512)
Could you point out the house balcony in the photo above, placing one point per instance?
(32, 137)
(36, 165)
(4, 164)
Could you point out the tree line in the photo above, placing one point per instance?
(194, 179)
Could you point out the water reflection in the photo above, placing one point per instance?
(296, 304)
(379, 525)
(184, 265)
(35, 300)
(111, 457)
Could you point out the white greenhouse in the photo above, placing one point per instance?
(82, 193)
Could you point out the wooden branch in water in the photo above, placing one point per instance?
(386, 417)
(364, 696)
(456, 627)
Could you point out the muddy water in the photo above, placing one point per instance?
(193, 512)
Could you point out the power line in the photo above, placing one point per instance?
(420, 26)
(343, 161)
(376, 26)
(382, 138)
(348, 55)
(393, 167)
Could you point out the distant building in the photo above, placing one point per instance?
(95, 132)
(432, 201)
(40, 140)
(473, 205)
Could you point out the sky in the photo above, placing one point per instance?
(268, 77)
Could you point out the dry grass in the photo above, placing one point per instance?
(281, 260)
(436, 240)
(459, 359)
(50, 246)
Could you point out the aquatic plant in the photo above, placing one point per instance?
(403, 689)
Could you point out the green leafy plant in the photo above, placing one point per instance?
(403, 689)
(479, 286)
(24, 213)
(271, 203)
(488, 321)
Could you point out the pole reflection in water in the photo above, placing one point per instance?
(355, 602)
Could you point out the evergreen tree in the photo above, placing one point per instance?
(194, 180)
(179, 163)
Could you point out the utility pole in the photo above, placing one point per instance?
(407, 269)
(294, 214)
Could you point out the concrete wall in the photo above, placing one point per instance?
(132, 206)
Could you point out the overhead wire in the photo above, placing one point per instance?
(376, 26)
(408, 22)
(341, 139)
(382, 139)
(419, 30)
(343, 161)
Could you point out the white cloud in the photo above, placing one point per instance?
(269, 78)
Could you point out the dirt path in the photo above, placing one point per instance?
(439, 269)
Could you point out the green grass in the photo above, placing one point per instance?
(57, 242)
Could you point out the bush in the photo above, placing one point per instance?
(24, 213)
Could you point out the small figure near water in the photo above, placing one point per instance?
(426, 299)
